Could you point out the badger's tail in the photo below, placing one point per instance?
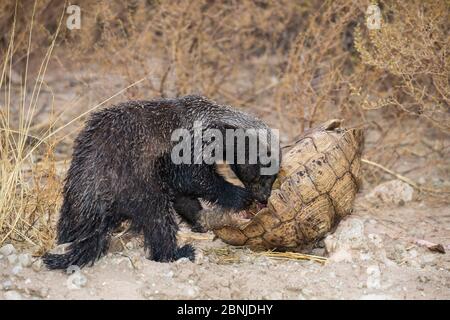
(79, 253)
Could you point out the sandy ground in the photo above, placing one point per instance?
(373, 254)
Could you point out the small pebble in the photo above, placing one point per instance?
(7, 249)
(37, 265)
(43, 293)
(7, 285)
(16, 270)
(374, 277)
(76, 281)
(191, 292)
(25, 260)
(12, 295)
(413, 253)
(12, 258)
(182, 260)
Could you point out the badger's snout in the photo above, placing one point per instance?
(260, 194)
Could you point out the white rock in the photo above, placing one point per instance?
(374, 277)
(7, 249)
(413, 253)
(348, 235)
(341, 255)
(25, 260)
(191, 292)
(12, 258)
(43, 293)
(37, 265)
(7, 285)
(391, 192)
(76, 281)
(16, 270)
(351, 230)
(12, 295)
(183, 260)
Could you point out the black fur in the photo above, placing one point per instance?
(121, 170)
(189, 208)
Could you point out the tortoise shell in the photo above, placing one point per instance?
(315, 189)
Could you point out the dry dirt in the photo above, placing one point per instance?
(373, 254)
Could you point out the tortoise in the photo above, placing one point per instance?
(315, 189)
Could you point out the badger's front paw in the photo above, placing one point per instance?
(239, 220)
(237, 198)
(217, 218)
(186, 251)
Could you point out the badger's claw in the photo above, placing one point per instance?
(213, 219)
(239, 220)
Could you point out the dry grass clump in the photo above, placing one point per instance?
(413, 48)
(293, 63)
(232, 255)
(408, 63)
(29, 188)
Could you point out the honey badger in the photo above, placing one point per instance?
(122, 169)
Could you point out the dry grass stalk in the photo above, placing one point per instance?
(293, 256)
(24, 214)
(404, 179)
(224, 255)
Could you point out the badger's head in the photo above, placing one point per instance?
(260, 186)
(260, 166)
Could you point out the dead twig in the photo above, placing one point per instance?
(404, 179)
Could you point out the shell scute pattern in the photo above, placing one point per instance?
(316, 187)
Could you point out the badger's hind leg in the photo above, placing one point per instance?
(155, 216)
(189, 208)
(89, 241)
